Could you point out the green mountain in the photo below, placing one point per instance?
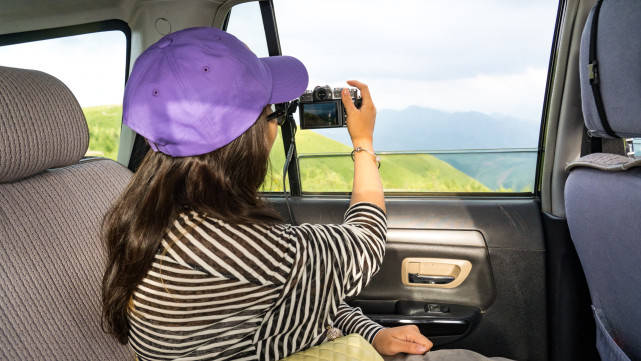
(334, 172)
(400, 172)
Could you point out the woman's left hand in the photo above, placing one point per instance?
(407, 339)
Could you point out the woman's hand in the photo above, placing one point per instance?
(407, 339)
(360, 122)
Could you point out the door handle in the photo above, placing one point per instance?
(432, 280)
(434, 272)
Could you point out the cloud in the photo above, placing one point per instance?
(517, 94)
(488, 56)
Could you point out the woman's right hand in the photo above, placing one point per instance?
(360, 122)
(407, 339)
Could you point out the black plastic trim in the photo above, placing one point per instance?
(525, 195)
(451, 323)
(548, 97)
(571, 327)
(287, 129)
(226, 22)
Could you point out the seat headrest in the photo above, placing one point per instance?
(618, 68)
(41, 124)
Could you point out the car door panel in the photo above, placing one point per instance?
(501, 237)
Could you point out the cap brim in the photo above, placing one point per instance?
(289, 78)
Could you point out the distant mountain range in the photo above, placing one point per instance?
(418, 128)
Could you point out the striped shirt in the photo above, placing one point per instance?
(218, 291)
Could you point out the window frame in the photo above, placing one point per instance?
(273, 44)
(73, 30)
(287, 130)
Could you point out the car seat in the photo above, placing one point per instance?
(603, 191)
(51, 206)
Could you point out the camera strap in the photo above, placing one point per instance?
(288, 159)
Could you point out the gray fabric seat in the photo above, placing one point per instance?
(51, 207)
(603, 192)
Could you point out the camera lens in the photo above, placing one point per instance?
(322, 93)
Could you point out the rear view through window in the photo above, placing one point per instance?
(93, 67)
(459, 88)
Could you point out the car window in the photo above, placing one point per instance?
(246, 23)
(99, 90)
(459, 88)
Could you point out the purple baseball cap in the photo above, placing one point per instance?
(197, 89)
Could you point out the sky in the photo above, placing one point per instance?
(489, 56)
(91, 65)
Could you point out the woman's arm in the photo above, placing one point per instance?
(352, 320)
(387, 341)
(342, 257)
(360, 124)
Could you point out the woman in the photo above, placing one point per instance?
(199, 266)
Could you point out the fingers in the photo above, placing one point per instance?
(424, 341)
(414, 335)
(348, 102)
(367, 97)
(407, 347)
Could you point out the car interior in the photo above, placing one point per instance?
(549, 274)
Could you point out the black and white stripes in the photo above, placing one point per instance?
(249, 292)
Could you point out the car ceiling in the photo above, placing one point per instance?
(25, 15)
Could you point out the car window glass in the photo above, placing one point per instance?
(459, 88)
(93, 67)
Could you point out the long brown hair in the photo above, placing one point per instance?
(223, 184)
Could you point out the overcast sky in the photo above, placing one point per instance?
(91, 65)
(483, 55)
(489, 56)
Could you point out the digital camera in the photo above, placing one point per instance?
(323, 107)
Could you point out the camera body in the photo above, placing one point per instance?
(323, 107)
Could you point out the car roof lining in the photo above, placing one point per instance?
(28, 15)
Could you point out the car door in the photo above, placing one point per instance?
(465, 257)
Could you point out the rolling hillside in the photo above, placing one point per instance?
(400, 172)
(104, 129)
(423, 129)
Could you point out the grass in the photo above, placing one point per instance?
(104, 130)
(399, 172)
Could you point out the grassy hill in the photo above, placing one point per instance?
(400, 172)
(498, 171)
(104, 129)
